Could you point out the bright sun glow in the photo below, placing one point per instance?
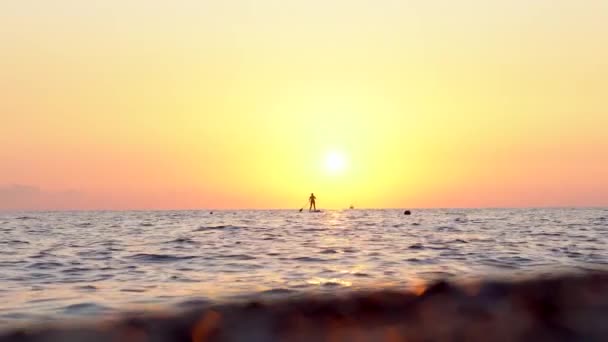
(335, 162)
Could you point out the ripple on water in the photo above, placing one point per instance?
(183, 240)
(497, 263)
(96, 254)
(277, 292)
(309, 259)
(85, 288)
(14, 242)
(311, 229)
(329, 251)
(237, 257)
(220, 227)
(159, 258)
(12, 263)
(436, 275)
(448, 229)
(361, 275)
(416, 246)
(134, 290)
(334, 283)
(194, 303)
(87, 308)
(26, 218)
(45, 265)
(76, 270)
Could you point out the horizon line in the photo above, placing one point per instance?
(296, 209)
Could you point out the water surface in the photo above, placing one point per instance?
(68, 264)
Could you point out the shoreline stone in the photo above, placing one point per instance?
(560, 308)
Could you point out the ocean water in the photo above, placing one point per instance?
(56, 265)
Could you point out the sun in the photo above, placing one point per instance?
(335, 162)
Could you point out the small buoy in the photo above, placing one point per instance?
(407, 212)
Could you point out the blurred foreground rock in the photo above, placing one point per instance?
(565, 308)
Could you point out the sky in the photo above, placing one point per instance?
(255, 104)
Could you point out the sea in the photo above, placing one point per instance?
(64, 265)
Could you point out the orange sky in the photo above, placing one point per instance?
(237, 104)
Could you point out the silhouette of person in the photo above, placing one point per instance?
(313, 204)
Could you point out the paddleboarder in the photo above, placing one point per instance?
(313, 204)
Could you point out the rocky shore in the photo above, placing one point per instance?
(561, 308)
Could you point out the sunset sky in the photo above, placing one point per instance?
(120, 104)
